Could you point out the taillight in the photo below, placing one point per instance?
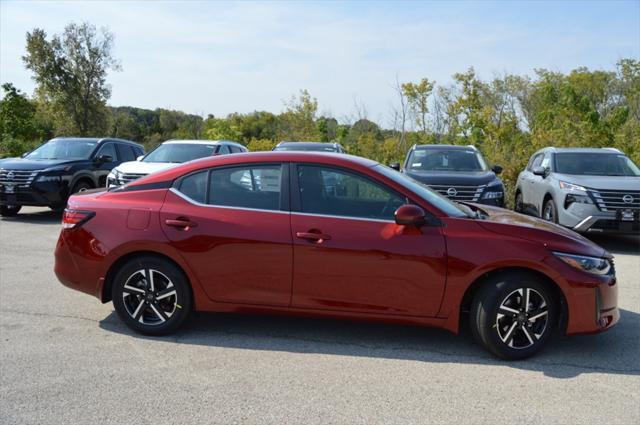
(75, 218)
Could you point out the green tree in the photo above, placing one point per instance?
(298, 120)
(418, 97)
(19, 130)
(71, 70)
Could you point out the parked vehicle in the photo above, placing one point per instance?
(588, 190)
(457, 172)
(170, 154)
(335, 236)
(64, 165)
(310, 147)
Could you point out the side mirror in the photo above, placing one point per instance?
(410, 215)
(140, 158)
(539, 171)
(496, 169)
(395, 166)
(104, 158)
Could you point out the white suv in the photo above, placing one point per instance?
(169, 154)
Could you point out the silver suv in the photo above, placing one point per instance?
(588, 190)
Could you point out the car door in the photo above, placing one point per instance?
(350, 255)
(529, 181)
(231, 225)
(102, 169)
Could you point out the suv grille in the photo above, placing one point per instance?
(19, 178)
(613, 200)
(129, 177)
(460, 193)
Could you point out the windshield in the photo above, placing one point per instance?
(179, 152)
(595, 164)
(452, 209)
(307, 148)
(445, 160)
(64, 149)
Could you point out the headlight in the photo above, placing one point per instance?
(579, 199)
(593, 265)
(48, 179)
(571, 186)
(492, 195)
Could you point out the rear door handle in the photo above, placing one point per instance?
(181, 223)
(312, 236)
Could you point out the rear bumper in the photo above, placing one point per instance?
(70, 274)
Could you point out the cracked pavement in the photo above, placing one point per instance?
(66, 358)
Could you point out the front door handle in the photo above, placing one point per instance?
(313, 236)
(181, 223)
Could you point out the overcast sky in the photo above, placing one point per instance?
(208, 57)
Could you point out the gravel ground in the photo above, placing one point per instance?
(67, 359)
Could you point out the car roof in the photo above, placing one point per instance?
(289, 142)
(97, 139)
(448, 147)
(581, 150)
(325, 158)
(200, 142)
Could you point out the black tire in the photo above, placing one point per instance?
(510, 334)
(149, 312)
(518, 205)
(10, 210)
(549, 211)
(81, 186)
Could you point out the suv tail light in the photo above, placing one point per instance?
(75, 218)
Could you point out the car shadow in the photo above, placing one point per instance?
(44, 216)
(612, 352)
(618, 244)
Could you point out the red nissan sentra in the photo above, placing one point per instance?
(330, 235)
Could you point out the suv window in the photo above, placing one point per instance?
(108, 149)
(235, 149)
(126, 153)
(331, 191)
(546, 161)
(223, 150)
(255, 186)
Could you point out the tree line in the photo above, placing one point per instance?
(507, 117)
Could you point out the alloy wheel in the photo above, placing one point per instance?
(548, 213)
(522, 318)
(149, 297)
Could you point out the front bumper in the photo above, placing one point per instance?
(42, 194)
(608, 224)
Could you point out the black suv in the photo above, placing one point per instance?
(47, 175)
(458, 172)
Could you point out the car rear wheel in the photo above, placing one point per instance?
(549, 212)
(513, 315)
(10, 210)
(151, 295)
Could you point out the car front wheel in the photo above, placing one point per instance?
(513, 315)
(151, 295)
(549, 212)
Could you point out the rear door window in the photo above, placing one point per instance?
(255, 187)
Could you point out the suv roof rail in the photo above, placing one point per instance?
(472, 147)
(613, 149)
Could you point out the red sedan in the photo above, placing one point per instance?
(335, 236)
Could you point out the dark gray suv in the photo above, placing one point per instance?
(588, 190)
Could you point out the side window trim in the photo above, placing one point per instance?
(296, 202)
(284, 186)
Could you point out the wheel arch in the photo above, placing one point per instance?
(83, 177)
(479, 282)
(106, 294)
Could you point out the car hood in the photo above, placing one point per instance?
(553, 236)
(602, 182)
(140, 167)
(466, 178)
(32, 164)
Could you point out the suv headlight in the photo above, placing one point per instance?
(593, 265)
(571, 186)
(492, 195)
(45, 178)
(494, 190)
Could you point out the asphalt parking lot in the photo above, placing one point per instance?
(66, 359)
